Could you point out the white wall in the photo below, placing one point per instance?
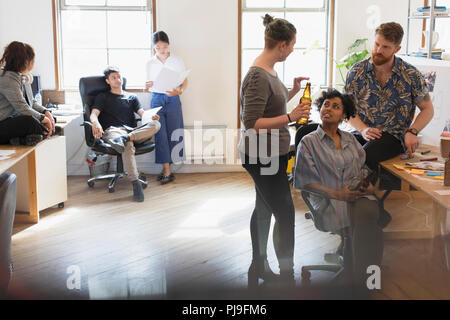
(30, 21)
(358, 19)
(204, 34)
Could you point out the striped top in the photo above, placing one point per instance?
(318, 161)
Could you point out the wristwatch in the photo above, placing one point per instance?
(414, 131)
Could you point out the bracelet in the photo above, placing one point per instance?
(414, 131)
(289, 118)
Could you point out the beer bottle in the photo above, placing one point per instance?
(305, 98)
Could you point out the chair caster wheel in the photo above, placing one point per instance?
(91, 184)
(306, 275)
(61, 205)
(111, 190)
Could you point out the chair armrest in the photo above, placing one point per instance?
(323, 205)
(89, 137)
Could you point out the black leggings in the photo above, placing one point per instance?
(19, 126)
(273, 196)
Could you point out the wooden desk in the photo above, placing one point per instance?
(41, 176)
(436, 217)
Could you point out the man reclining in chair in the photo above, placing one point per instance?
(113, 120)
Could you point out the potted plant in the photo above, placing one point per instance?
(355, 54)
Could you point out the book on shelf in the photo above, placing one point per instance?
(445, 12)
(433, 51)
(436, 8)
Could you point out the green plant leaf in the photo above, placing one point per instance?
(357, 43)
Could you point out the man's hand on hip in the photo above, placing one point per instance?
(370, 134)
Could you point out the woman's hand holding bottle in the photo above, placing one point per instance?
(302, 110)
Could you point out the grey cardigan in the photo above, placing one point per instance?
(12, 101)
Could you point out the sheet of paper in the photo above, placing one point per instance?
(148, 114)
(415, 171)
(168, 79)
(443, 192)
(6, 152)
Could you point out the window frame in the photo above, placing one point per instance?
(59, 5)
(328, 8)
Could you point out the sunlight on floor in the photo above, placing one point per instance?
(206, 222)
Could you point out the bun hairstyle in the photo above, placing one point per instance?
(277, 30)
(17, 56)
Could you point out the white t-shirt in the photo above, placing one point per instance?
(154, 66)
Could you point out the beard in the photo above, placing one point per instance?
(379, 59)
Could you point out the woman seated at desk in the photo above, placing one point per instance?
(22, 119)
(327, 160)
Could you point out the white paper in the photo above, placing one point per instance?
(148, 114)
(6, 153)
(443, 192)
(167, 79)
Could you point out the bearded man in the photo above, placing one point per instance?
(387, 90)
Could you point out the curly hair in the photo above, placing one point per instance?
(348, 101)
(17, 56)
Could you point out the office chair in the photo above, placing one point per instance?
(8, 190)
(316, 215)
(90, 87)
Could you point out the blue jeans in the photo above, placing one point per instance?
(171, 119)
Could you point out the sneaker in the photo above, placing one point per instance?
(167, 179)
(159, 177)
(138, 191)
(118, 144)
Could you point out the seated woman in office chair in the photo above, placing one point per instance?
(330, 160)
(22, 119)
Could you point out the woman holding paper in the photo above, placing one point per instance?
(163, 68)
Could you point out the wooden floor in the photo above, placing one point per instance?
(189, 239)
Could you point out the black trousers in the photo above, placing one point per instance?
(19, 126)
(379, 150)
(273, 196)
(367, 238)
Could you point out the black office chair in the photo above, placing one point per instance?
(90, 87)
(344, 261)
(8, 190)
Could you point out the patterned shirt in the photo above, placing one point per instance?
(389, 108)
(318, 161)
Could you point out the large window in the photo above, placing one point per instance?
(97, 33)
(310, 56)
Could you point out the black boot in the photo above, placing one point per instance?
(118, 144)
(260, 269)
(138, 191)
(28, 140)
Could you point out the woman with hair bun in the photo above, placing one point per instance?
(22, 119)
(171, 115)
(265, 121)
